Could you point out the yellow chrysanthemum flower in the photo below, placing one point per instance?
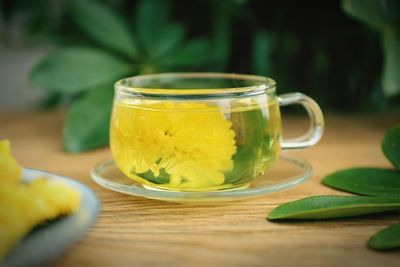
(25, 205)
(10, 170)
(191, 143)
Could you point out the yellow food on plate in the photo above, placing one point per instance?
(23, 206)
(10, 170)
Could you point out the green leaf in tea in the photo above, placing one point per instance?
(366, 181)
(242, 166)
(73, 69)
(251, 139)
(391, 145)
(104, 26)
(87, 124)
(162, 178)
(388, 238)
(327, 207)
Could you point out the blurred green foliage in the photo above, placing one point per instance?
(384, 17)
(345, 54)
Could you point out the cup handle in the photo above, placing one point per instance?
(314, 133)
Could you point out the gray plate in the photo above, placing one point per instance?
(48, 242)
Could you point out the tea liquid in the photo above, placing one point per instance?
(195, 146)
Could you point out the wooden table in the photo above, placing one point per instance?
(133, 231)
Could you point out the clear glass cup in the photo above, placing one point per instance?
(202, 131)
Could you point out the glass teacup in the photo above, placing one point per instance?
(202, 131)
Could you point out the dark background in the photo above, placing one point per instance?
(309, 46)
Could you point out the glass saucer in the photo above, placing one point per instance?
(287, 172)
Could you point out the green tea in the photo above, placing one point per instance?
(193, 145)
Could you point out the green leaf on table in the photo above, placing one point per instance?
(87, 124)
(194, 53)
(370, 12)
(263, 45)
(391, 68)
(391, 145)
(327, 207)
(366, 181)
(73, 69)
(388, 238)
(104, 26)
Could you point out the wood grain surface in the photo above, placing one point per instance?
(133, 231)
